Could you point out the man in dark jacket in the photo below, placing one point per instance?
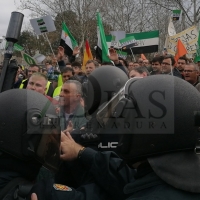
(167, 66)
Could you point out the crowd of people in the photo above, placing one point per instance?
(102, 175)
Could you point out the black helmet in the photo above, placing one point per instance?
(156, 115)
(102, 84)
(29, 127)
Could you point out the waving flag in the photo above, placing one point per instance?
(180, 50)
(102, 48)
(87, 54)
(197, 57)
(67, 40)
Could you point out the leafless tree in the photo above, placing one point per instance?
(127, 15)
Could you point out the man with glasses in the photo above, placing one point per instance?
(191, 75)
(167, 66)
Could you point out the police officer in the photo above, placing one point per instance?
(162, 142)
(29, 151)
(103, 83)
(29, 137)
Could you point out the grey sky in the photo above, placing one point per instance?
(7, 7)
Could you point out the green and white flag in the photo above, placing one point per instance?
(197, 57)
(121, 54)
(128, 42)
(116, 36)
(17, 47)
(28, 59)
(67, 40)
(176, 15)
(146, 42)
(102, 48)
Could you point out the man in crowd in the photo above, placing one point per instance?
(139, 72)
(90, 66)
(38, 83)
(156, 65)
(181, 63)
(77, 68)
(130, 66)
(145, 63)
(33, 69)
(70, 103)
(167, 65)
(140, 61)
(191, 75)
(66, 73)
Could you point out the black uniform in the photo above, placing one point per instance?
(108, 179)
(116, 182)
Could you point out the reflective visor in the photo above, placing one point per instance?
(48, 151)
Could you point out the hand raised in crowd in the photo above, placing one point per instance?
(60, 53)
(34, 196)
(76, 51)
(69, 148)
(69, 127)
(113, 56)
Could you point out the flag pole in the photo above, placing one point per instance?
(51, 48)
(133, 55)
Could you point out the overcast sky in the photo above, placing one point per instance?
(7, 7)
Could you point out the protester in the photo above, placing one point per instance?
(167, 66)
(139, 72)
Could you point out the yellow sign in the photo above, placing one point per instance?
(188, 37)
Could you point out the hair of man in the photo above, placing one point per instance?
(96, 64)
(78, 86)
(67, 69)
(141, 69)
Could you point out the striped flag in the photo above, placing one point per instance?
(145, 42)
(102, 48)
(128, 42)
(67, 40)
(87, 54)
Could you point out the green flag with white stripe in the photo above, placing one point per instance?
(143, 42)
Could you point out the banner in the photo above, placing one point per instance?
(43, 24)
(189, 38)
